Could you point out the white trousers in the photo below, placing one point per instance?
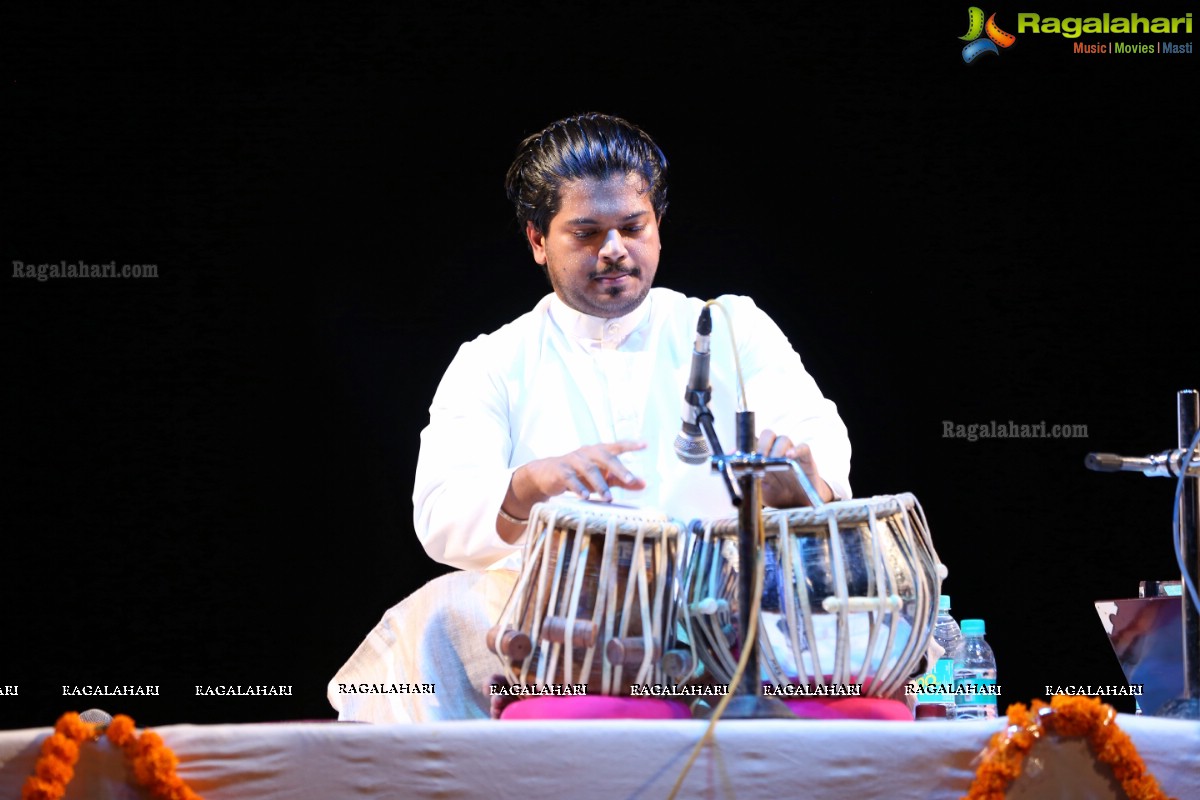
(437, 635)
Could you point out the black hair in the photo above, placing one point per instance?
(582, 146)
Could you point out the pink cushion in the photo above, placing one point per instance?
(596, 707)
(849, 708)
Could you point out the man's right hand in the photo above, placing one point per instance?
(592, 469)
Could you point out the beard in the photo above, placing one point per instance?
(584, 294)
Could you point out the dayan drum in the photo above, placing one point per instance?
(849, 596)
(595, 602)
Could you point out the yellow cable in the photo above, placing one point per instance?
(733, 344)
(748, 645)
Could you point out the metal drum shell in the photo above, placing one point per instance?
(578, 599)
(854, 573)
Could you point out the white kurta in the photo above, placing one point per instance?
(555, 380)
(549, 382)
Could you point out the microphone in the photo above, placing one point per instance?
(97, 716)
(1167, 464)
(690, 444)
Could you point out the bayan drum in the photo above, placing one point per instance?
(594, 604)
(849, 596)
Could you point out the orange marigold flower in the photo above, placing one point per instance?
(171, 782)
(143, 773)
(152, 762)
(1074, 712)
(150, 739)
(161, 757)
(1109, 753)
(38, 789)
(182, 792)
(58, 746)
(121, 730)
(1000, 763)
(1143, 788)
(54, 770)
(154, 768)
(73, 727)
(1126, 771)
(1023, 741)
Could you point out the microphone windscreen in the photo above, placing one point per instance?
(692, 450)
(1104, 462)
(96, 716)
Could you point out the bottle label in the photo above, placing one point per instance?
(944, 670)
(937, 686)
(924, 688)
(975, 691)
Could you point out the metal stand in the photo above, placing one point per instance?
(743, 472)
(1187, 706)
(1171, 464)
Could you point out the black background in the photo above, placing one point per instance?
(211, 471)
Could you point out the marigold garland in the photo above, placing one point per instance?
(152, 762)
(1065, 716)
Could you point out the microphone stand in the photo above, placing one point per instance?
(704, 418)
(1187, 706)
(743, 472)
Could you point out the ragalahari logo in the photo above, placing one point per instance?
(976, 27)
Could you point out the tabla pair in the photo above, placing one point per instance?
(620, 600)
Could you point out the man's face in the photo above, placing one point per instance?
(601, 251)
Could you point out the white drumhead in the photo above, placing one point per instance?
(859, 509)
(597, 515)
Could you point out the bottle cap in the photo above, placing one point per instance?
(972, 627)
(930, 711)
(944, 602)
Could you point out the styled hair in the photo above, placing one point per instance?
(591, 145)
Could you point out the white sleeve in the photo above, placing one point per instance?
(463, 470)
(785, 397)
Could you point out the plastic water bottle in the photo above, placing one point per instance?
(947, 634)
(974, 674)
(946, 631)
(936, 687)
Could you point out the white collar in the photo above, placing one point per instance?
(597, 332)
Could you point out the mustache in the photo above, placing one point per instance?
(612, 272)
